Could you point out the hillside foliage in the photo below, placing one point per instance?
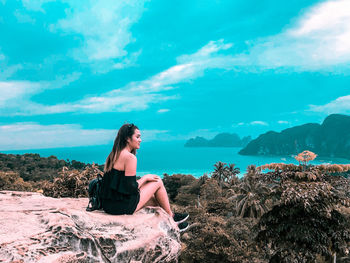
(33, 167)
(274, 213)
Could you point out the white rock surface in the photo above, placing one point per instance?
(35, 228)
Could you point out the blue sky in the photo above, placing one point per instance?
(72, 72)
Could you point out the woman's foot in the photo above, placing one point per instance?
(183, 226)
(179, 218)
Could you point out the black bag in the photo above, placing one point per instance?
(95, 201)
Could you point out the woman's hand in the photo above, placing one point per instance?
(151, 178)
(148, 178)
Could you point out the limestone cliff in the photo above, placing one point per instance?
(329, 139)
(35, 228)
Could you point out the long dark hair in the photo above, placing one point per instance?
(125, 132)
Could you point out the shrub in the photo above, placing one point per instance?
(71, 183)
(12, 181)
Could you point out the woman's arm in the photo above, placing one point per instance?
(130, 165)
(130, 170)
(148, 178)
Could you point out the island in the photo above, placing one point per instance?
(329, 139)
(220, 140)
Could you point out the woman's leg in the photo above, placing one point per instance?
(156, 189)
(152, 202)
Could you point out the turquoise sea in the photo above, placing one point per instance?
(172, 157)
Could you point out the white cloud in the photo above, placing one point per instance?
(29, 135)
(8, 71)
(189, 67)
(206, 52)
(330, 22)
(139, 95)
(23, 18)
(129, 61)
(20, 136)
(120, 102)
(36, 5)
(318, 41)
(163, 110)
(16, 96)
(252, 123)
(62, 81)
(259, 123)
(283, 122)
(16, 90)
(339, 105)
(105, 26)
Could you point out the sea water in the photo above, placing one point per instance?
(172, 157)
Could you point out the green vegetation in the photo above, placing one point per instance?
(32, 167)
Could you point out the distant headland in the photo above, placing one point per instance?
(329, 139)
(220, 140)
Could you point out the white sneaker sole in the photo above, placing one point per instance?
(183, 220)
(184, 229)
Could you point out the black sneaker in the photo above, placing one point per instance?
(179, 218)
(183, 226)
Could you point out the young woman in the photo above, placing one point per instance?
(121, 193)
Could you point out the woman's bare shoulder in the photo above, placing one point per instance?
(127, 158)
(127, 155)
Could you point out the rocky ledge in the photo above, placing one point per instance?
(35, 228)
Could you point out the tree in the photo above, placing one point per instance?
(225, 175)
(305, 156)
(250, 195)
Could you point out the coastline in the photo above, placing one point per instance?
(173, 158)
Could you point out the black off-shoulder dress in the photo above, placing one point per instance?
(120, 194)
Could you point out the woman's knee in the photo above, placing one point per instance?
(160, 183)
(152, 186)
